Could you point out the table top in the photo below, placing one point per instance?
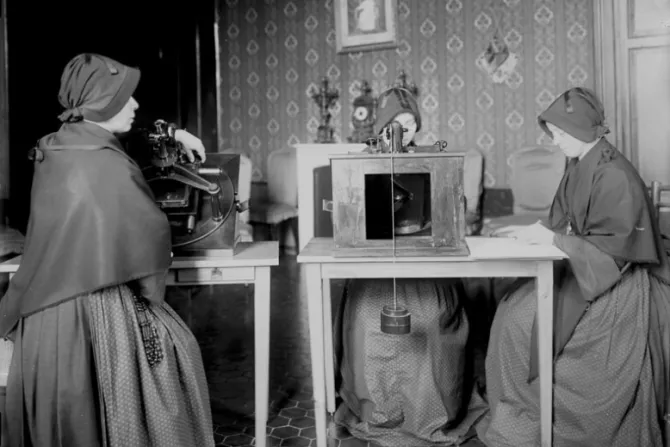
(249, 254)
(319, 250)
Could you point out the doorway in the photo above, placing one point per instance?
(161, 41)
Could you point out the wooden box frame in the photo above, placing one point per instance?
(447, 236)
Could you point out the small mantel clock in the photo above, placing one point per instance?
(363, 116)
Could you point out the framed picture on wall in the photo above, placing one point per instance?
(365, 25)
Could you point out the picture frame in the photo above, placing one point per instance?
(365, 25)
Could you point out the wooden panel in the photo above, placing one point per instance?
(383, 249)
(349, 216)
(400, 166)
(448, 219)
(447, 233)
(650, 110)
(309, 157)
(320, 250)
(430, 269)
(647, 17)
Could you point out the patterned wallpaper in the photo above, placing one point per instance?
(274, 51)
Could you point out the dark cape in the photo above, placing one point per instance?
(93, 224)
(605, 222)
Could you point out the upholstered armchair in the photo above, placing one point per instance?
(473, 187)
(243, 195)
(277, 206)
(536, 172)
(659, 192)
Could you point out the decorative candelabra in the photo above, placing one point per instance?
(325, 98)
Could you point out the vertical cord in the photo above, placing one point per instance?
(496, 18)
(395, 296)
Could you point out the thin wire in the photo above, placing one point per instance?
(496, 17)
(395, 295)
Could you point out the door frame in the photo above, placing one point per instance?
(607, 61)
(4, 116)
(615, 43)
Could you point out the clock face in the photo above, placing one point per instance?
(361, 113)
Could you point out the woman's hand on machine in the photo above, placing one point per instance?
(191, 144)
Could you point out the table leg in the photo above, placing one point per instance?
(328, 346)
(315, 304)
(262, 351)
(545, 313)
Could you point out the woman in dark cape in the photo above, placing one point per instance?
(99, 358)
(611, 302)
(411, 389)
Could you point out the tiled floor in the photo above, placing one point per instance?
(223, 324)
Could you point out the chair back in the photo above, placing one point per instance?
(244, 191)
(657, 189)
(473, 179)
(535, 174)
(662, 210)
(244, 181)
(282, 177)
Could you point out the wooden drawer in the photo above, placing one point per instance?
(211, 275)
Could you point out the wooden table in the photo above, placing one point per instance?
(489, 257)
(251, 265)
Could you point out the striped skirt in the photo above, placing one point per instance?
(106, 369)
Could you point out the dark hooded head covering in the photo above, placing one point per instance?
(392, 103)
(578, 112)
(95, 88)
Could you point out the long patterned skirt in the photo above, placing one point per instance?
(107, 369)
(610, 381)
(406, 390)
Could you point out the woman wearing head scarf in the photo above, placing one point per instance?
(410, 389)
(611, 301)
(99, 358)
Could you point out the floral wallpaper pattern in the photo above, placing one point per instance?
(273, 52)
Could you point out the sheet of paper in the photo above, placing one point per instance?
(507, 248)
